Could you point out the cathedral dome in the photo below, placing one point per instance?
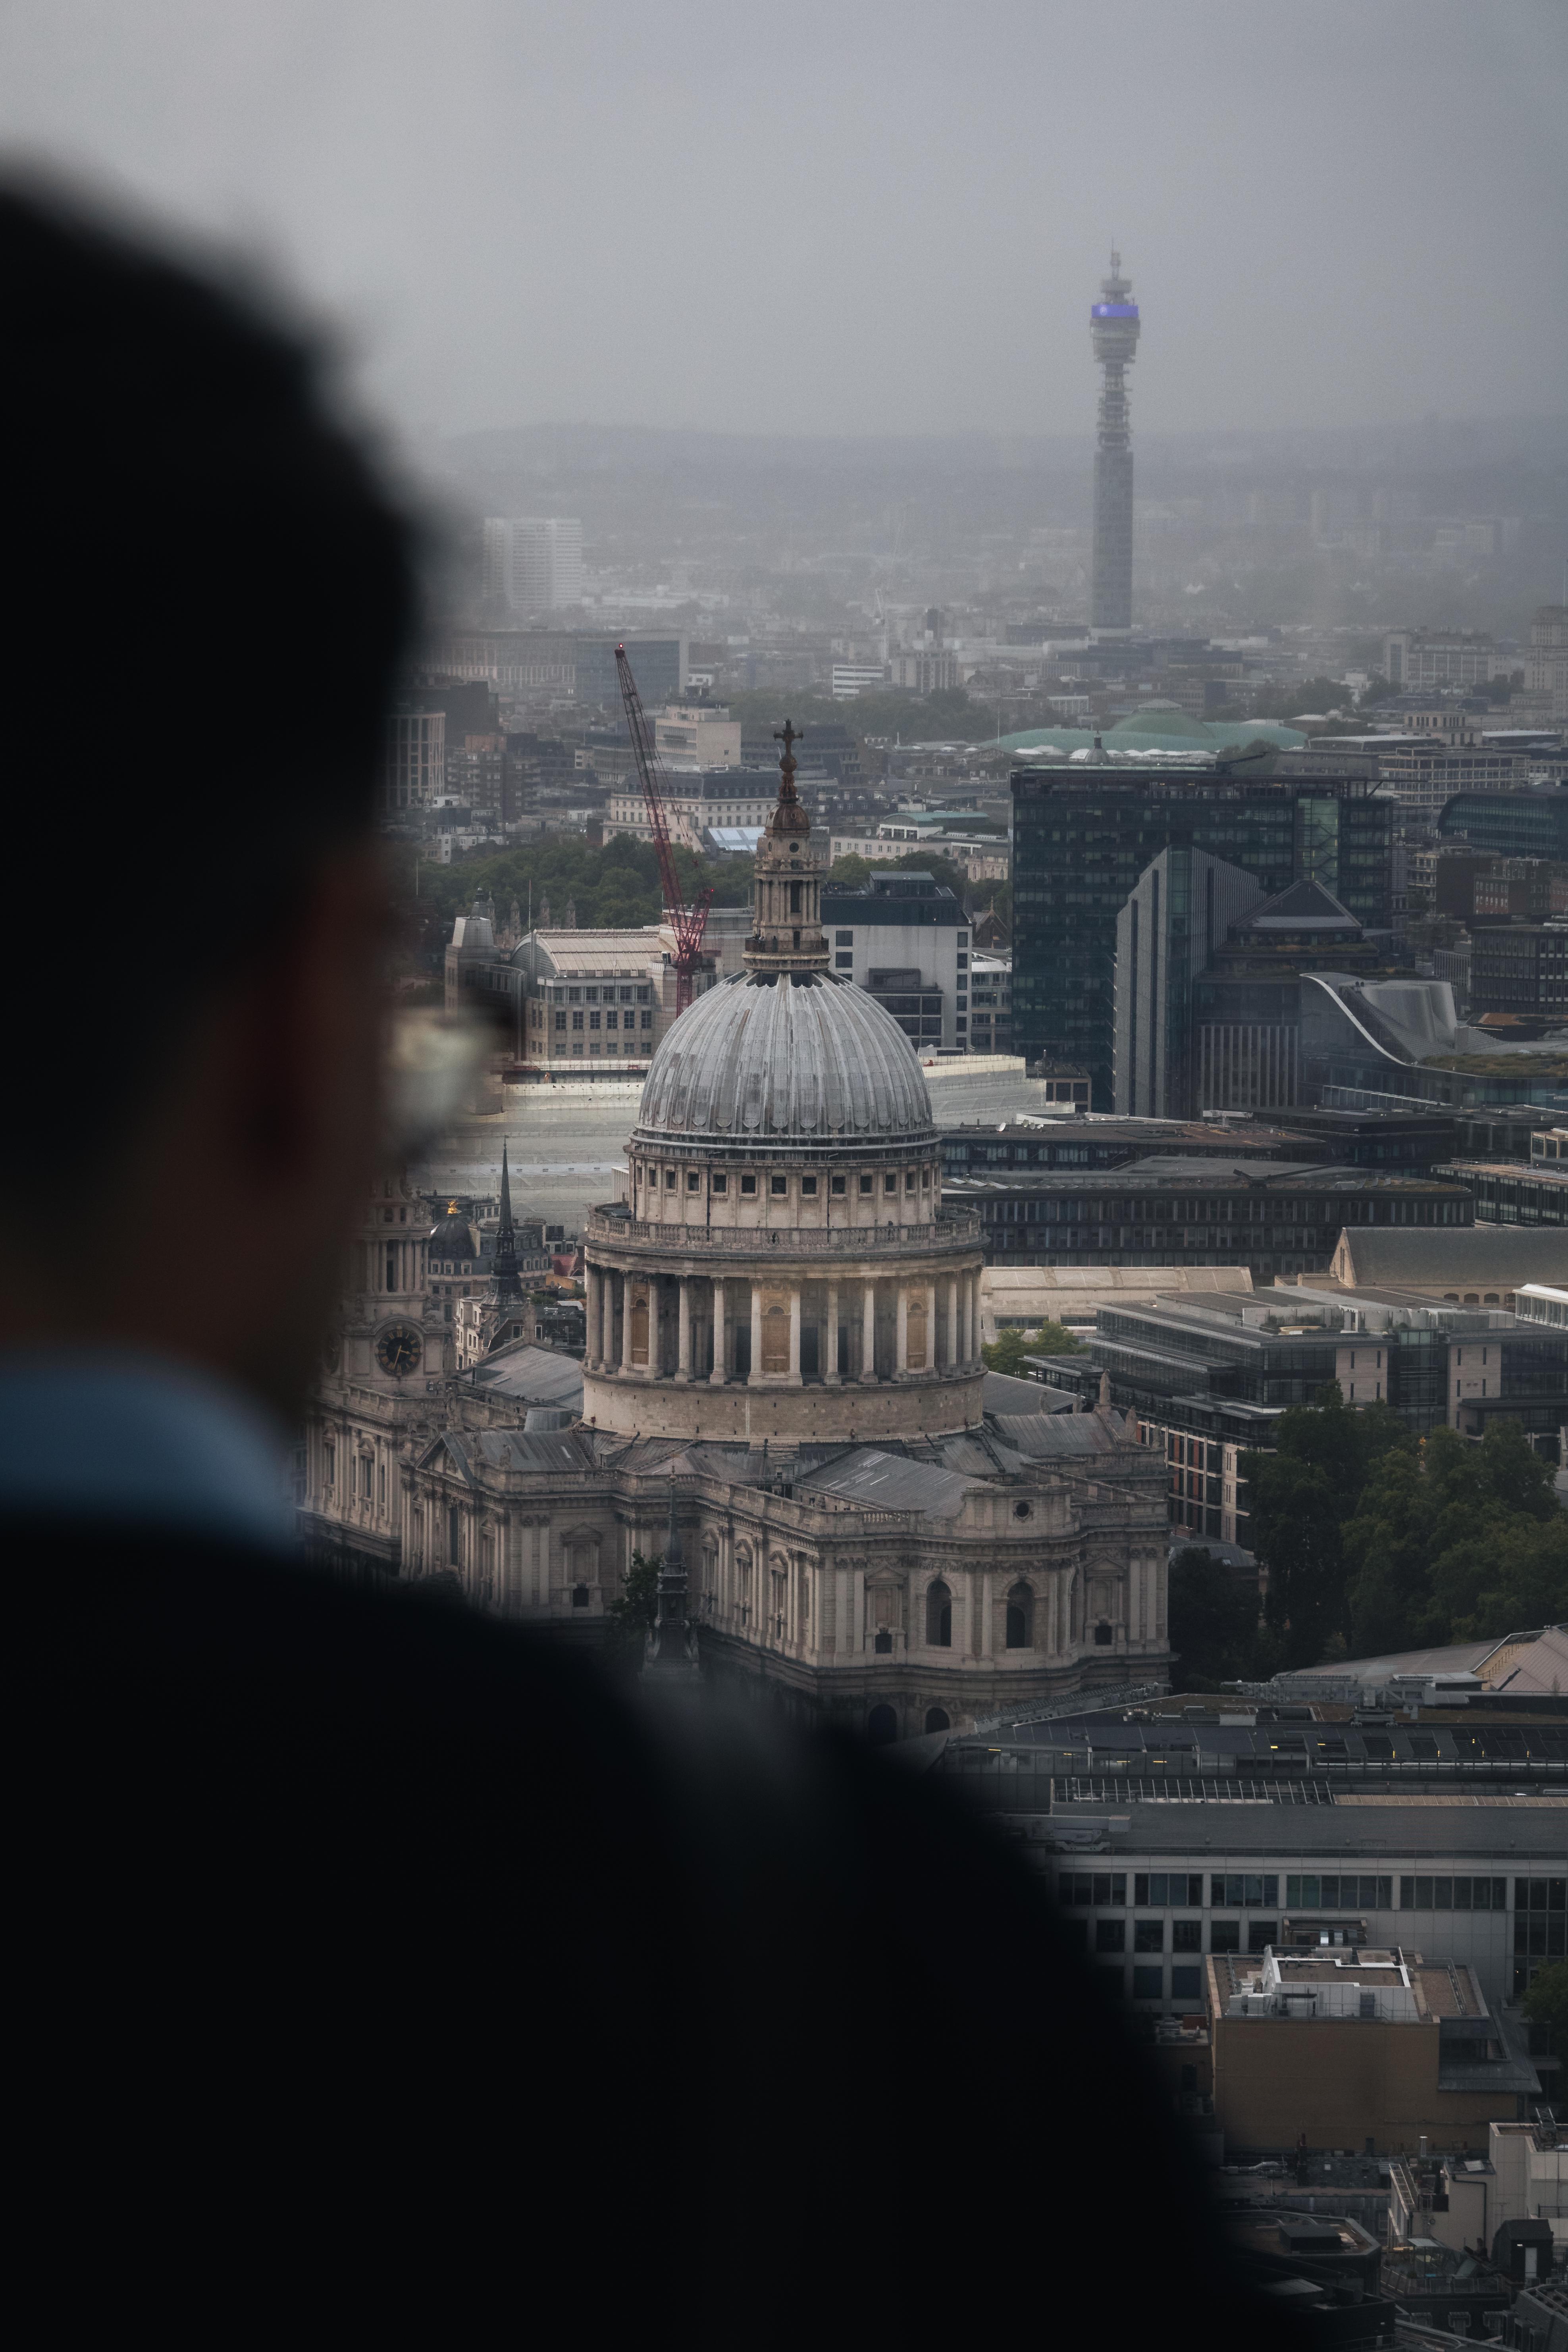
(452, 1235)
(784, 1057)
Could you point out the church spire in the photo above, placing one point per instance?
(507, 1283)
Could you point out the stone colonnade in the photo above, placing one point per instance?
(754, 1329)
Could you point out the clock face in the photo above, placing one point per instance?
(398, 1350)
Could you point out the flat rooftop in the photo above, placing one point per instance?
(1498, 1841)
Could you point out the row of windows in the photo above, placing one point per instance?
(611, 1020)
(1149, 1980)
(1047, 1209)
(1421, 1894)
(778, 1186)
(1148, 1936)
(559, 1046)
(608, 995)
(1239, 1889)
(1309, 1891)
(847, 939)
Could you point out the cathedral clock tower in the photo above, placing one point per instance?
(382, 1362)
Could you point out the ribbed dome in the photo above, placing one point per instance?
(452, 1235)
(807, 1058)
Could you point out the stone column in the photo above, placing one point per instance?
(868, 1329)
(717, 1375)
(971, 1310)
(795, 1334)
(902, 1356)
(683, 1359)
(829, 1371)
(953, 1321)
(980, 1601)
(595, 1319)
(755, 1374)
(627, 1324)
(930, 1327)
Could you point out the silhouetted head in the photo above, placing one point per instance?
(211, 591)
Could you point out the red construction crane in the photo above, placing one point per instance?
(688, 923)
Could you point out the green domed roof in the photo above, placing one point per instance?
(1163, 721)
(1152, 730)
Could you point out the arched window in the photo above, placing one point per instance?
(882, 1724)
(455, 1537)
(936, 1719)
(939, 1616)
(1020, 1618)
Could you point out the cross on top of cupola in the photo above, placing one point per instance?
(786, 910)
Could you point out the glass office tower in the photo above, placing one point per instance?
(1082, 836)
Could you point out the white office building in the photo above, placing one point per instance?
(905, 939)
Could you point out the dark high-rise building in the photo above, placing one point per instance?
(1181, 910)
(1113, 323)
(1082, 836)
(1533, 822)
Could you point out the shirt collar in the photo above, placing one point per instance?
(139, 1439)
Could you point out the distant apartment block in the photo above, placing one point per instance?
(534, 564)
(1546, 669)
(560, 666)
(415, 769)
(1418, 658)
(924, 670)
(721, 797)
(1427, 775)
(850, 679)
(696, 736)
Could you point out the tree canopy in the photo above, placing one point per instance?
(616, 887)
(1376, 1540)
(1454, 1542)
(1546, 2003)
(1214, 1627)
(632, 1611)
(854, 873)
(1006, 1352)
(1303, 1493)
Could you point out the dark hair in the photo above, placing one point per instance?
(212, 589)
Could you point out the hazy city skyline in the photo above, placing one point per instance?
(826, 223)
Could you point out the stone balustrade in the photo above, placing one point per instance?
(958, 1229)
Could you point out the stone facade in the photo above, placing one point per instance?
(783, 1351)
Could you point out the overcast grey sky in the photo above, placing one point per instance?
(846, 215)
